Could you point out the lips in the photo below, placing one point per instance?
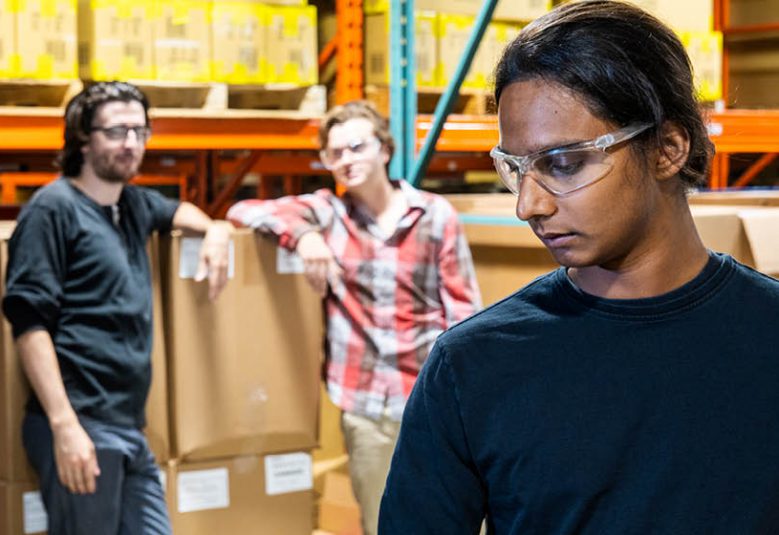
(555, 239)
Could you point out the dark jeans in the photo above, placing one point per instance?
(129, 499)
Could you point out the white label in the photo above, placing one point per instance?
(199, 490)
(290, 472)
(35, 518)
(288, 261)
(190, 255)
(163, 480)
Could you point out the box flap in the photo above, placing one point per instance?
(762, 231)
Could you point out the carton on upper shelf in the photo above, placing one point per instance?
(244, 371)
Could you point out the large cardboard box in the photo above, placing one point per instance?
(115, 39)
(338, 509)
(291, 48)
(258, 495)
(14, 388)
(46, 39)
(239, 43)
(182, 40)
(8, 57)
(21, 509)
(754, 74)
(244, 371)
(741, 198)
(377, 50)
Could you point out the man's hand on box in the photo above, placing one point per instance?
(214, 257)
(318, 260)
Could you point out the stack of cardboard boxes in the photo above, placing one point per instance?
(233, 408)
(199, 41)
(442, 29)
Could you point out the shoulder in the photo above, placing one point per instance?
(760, 283)
(513, 316)
(55, 199)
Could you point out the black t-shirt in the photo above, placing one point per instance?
(555, 411)
(75, 272)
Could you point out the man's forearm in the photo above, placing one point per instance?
(39, 361)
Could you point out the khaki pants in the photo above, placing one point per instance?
(370, 444)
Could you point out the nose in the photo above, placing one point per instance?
(131, 139)
(533, 200)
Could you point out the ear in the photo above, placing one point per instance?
(385, 157)
(673, 151)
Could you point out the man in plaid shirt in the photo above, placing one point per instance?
(394, 269)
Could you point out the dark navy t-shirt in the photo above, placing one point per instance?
(557, 412)
(86, 280)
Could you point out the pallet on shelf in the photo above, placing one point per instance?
(37, 93)
(208, 98)
(468, 101)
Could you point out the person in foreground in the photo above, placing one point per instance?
(394, 269)
(79, 299)
(636, 388)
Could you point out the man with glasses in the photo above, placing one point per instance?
(635, 389)
(394, 269)
(78, 296)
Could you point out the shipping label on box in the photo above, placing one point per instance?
(47, 43)
(182, 41)
(289, 472)
(291, 48)
(377, 48)
(116, 39)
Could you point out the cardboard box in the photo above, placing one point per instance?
(8, 57)
(182, 40)
(705, 51)
(239, 42)
(690, 15)
(754, 74)
(338, 509)
(251, 494)
(15, 390)
(21, 510)
(244, 371)
(508, 10)
(744, 12)
(291, 48)
(115, 39)
(377, 51)
(46, 39)
(740, 198)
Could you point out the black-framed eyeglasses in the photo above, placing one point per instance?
(119, 132)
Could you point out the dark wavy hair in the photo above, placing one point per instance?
(80, 112)
(624, 63)
(357, 109)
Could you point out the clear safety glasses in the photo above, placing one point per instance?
(358, 148)
(564, 169)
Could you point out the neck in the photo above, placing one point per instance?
(374, 195)
(672, 256)
(102, 192)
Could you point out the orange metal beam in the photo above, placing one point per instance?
(349, 59)
(754, 170)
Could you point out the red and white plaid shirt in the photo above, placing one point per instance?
(397, 293)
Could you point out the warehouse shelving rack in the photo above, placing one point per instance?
(264, 143)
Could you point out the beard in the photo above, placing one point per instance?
(116, 169)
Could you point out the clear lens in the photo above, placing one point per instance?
(566, 171)
(360, 148)
(119, 133)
